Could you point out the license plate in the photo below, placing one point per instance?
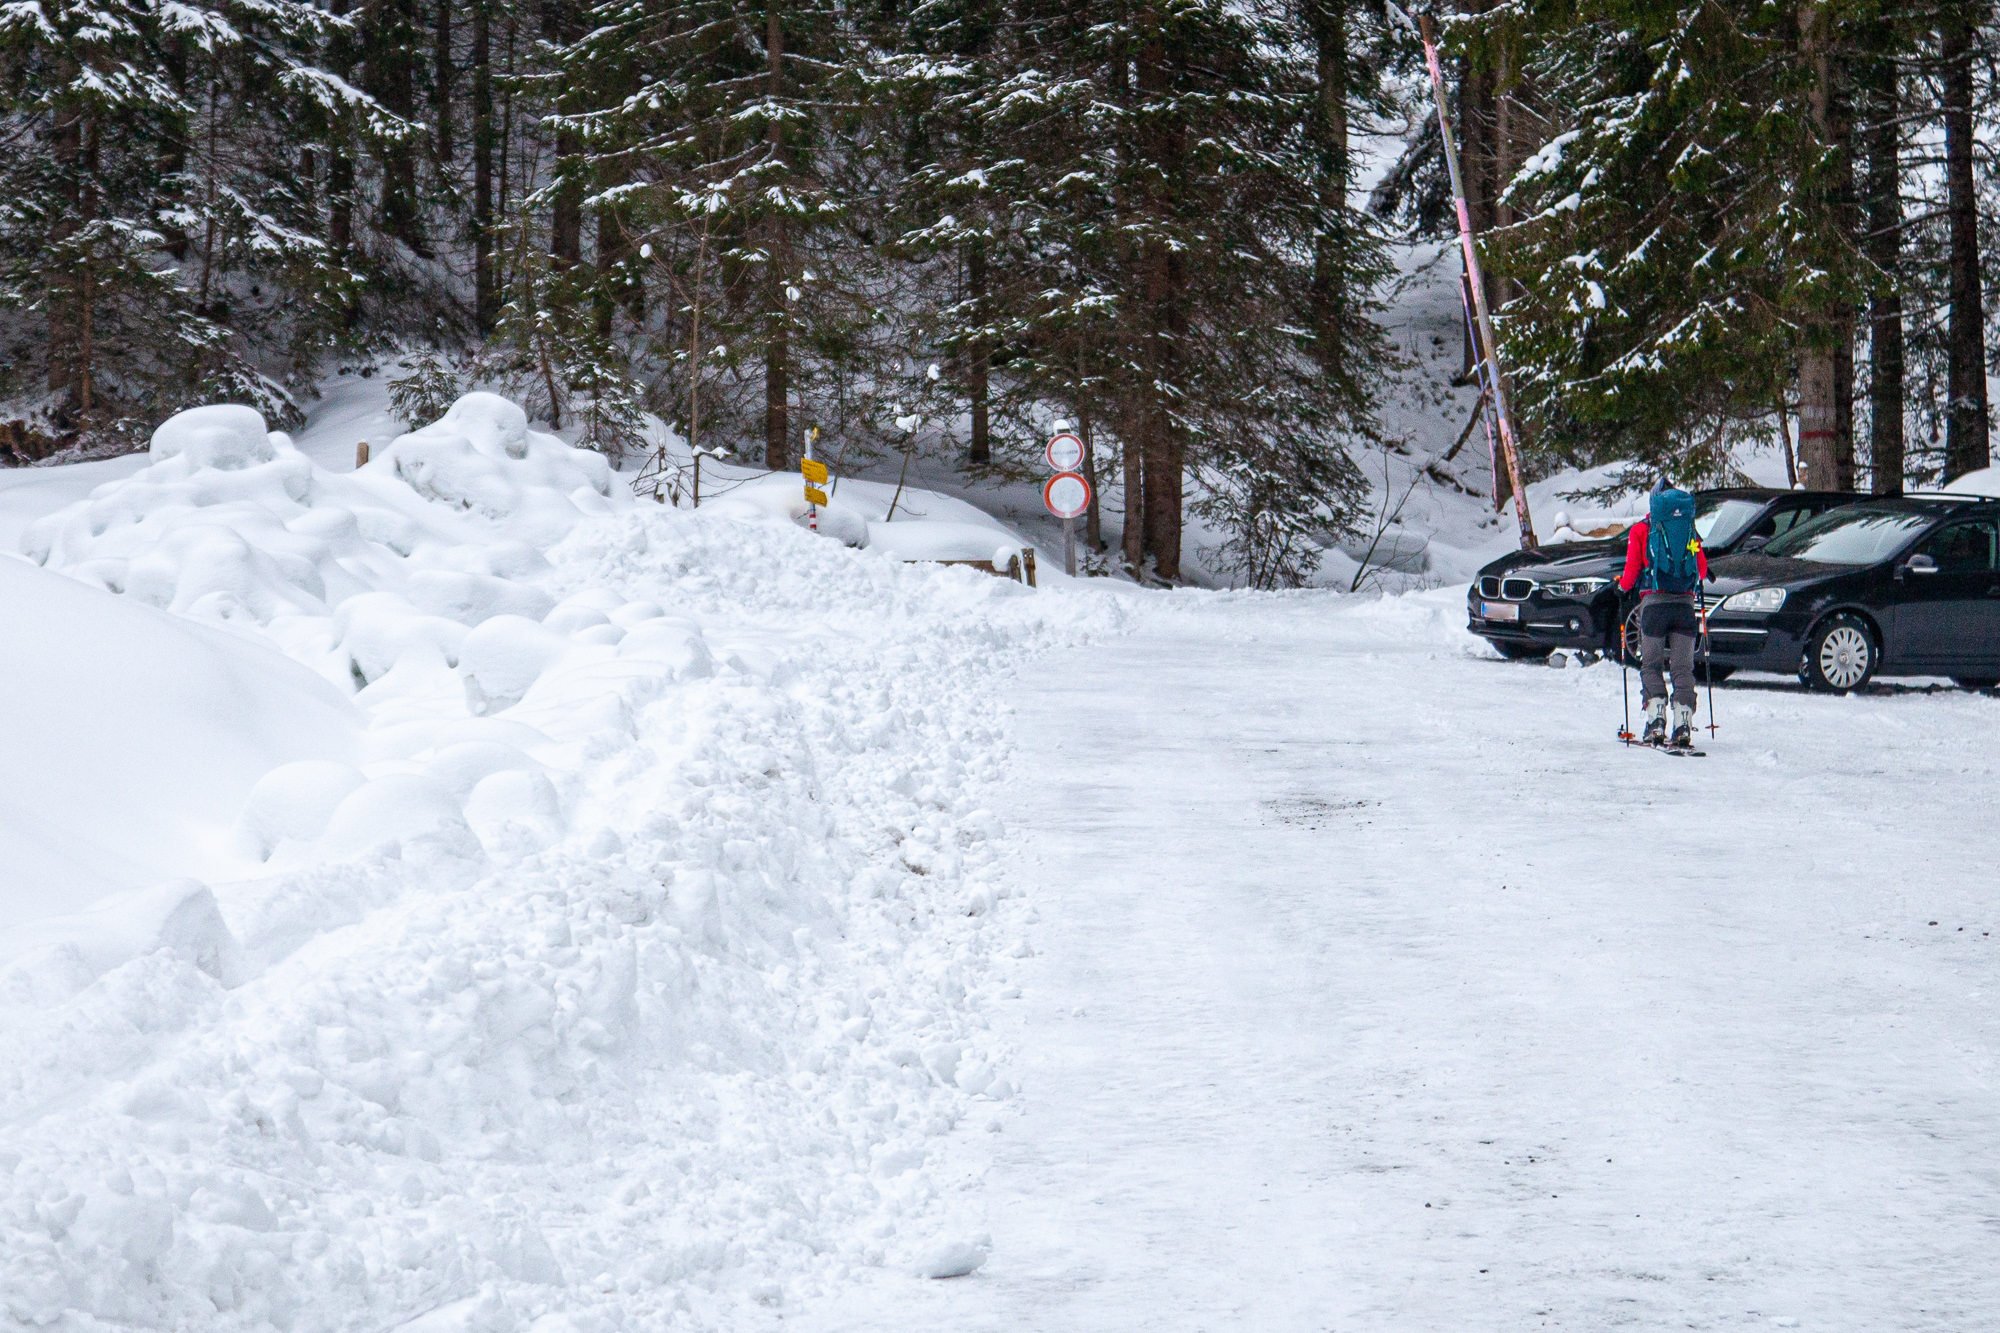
(1499, 610)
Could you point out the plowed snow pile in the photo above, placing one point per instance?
(617, 967)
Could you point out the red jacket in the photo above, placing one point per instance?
(1635, 559)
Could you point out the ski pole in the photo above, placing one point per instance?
(1625, 682)
(1708, 651)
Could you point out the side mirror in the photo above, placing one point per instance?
(1755, 543)
(1918, 564)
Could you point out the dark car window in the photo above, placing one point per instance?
(1852, 535)
(1718, 521)
(1780, 521)
(1787, 519)
(1962, 548)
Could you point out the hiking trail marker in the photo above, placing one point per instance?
(815, 475)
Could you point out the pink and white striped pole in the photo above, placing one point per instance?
(1489, 349)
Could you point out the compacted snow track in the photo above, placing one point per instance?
(1378, 988)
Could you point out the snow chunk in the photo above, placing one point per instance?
(952, 1258)
(48, 961)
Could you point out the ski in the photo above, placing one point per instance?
(1633, 743)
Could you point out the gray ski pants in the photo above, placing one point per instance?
(1667, 630)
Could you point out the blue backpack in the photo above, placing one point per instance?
(1671, 544)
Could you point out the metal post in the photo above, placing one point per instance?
(812, 509)
(697, 478)
(1503, 406)
(1069, 547)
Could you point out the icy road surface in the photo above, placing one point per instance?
(1378, 988)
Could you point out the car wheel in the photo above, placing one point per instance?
(1520, 652)
(1840, 655)
(1628, 642)
(1975, 682)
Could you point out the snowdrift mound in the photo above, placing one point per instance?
(380, 581)
(133, 738)
(780, 497)
(232, 523)
(626, 973)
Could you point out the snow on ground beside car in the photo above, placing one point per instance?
(628, 972)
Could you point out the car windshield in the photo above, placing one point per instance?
(1852, 535)
(1718, 520)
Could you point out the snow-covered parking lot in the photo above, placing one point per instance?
(1379, 988)
(655, 920)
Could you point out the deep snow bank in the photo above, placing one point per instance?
(133, 738)
(408, 584)
(626, 976)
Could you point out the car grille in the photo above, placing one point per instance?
(1513, 590)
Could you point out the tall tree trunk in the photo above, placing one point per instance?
(65, 297)
(485, 287)
(1840, 131)
(1166, 458)
(1161, 450)
(86, 306)
(1883, 188)
(174, 154)
(1132, 540)
(388, 32)
(442, 78)
(559, 25)
(340, 166)
(1843, 399)
(975, 275)
(615, 285)
(777, 349)
(1326, 20)
(1093, 516)
(1967, 446)
(1819, 410)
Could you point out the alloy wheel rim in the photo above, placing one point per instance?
(1843, 657)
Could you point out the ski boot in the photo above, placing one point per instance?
(1656, 723)
(1683, 737)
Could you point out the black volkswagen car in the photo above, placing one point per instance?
(1528, 603)
(1903, 587)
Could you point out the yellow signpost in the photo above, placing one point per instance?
(814, 471)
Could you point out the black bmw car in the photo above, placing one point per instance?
(1528, 603)
(1903, 587)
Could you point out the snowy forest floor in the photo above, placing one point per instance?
(1379, 988)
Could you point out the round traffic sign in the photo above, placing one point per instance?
(1065, 452)
(1066, 494)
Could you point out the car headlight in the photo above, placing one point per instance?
(1756, 599)
(1576, 587)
